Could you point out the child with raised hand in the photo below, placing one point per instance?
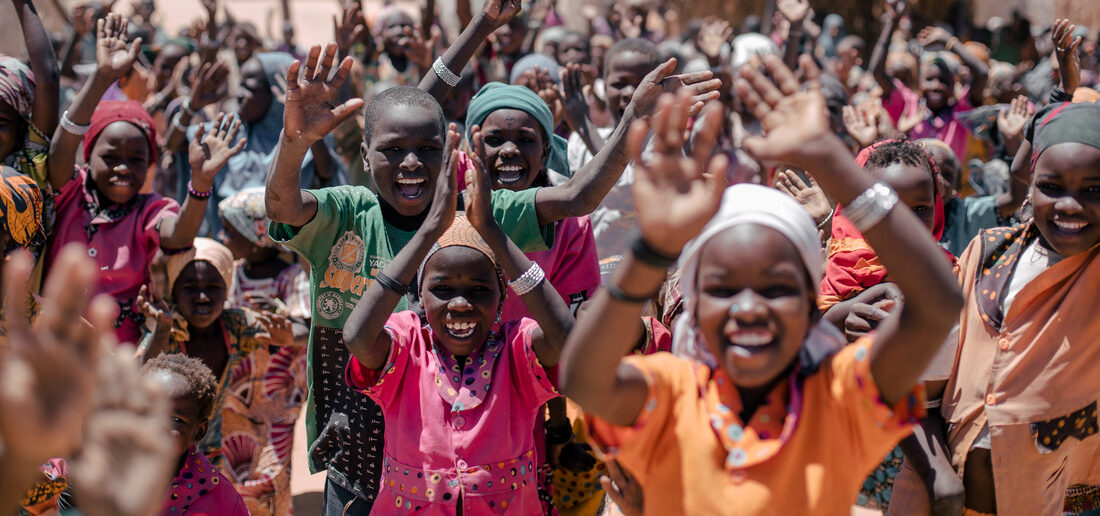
(197, 488)
(755, 417)
(98, 202)
(461, 393)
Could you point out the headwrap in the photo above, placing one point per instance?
(205, 250)
(1063, 123)
(752, 204)
(752, 44)
(111, 111)
(496, 95)
(462, 233)
(17, 86)
(21, 208)
(391, 9)
(853, 266)
(536, 60)
(245, 213)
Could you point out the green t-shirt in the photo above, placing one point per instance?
(346, 244)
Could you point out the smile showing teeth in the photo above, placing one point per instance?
(461, 330)
(509, 173)
(1071, 227)
(410, 188)
(751, 339)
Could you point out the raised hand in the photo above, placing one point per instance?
(83, 19)
(47, 388)
(1065, 48)
(208, 86)
(861, 125)
(421, 51)
(676, 195)
(808, 194)
(573, 101)
(153, 310)
(114, 57)
(211, 8)
(311, 110)
(630, 25)
(1011, 121)
(912, 118)
(479, 208)
(793, 10)
(701, 86)
(714, 33)
(896, 9)
(126, 460)
(279, 329)
(348, 28)
(208, 152)
(498, 12)
(933, 35)
(445, 199)
(796, 123)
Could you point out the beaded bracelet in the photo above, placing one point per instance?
(202, 196)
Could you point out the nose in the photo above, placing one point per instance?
(411, 162)
(459, 303)
(203, 296)
(748, 307)
(1068, 205)
(509, 149)
(121, 167)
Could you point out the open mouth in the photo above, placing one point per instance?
(461, 330)
(747, 343)
(510, 174)
(411, 189)
(121, 181)
(1069, 227)
(202, 310)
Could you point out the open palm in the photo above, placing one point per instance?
(795, 121)
(209, 151)
(114, 57)
(311, 96)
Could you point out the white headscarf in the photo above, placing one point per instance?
(753, 204)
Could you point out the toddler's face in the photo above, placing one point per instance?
(914, 187)
(1065, 191)
(188, 425)
(119, 161)
(461, 297)
(513, 146)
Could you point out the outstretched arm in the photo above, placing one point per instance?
(676, 196)
(114, 58)
(306, 119)
(586, 189)
(363, 333)
(797, 133)
(47, 77)
(894, 11)
(494, 14)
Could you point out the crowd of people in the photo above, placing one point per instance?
(657, 266)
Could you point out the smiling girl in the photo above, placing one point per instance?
(754, 416)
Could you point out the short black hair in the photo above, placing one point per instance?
(401, 95)
(642, 46)
(901, 151)
(204, 387)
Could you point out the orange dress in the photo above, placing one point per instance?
(807, 450)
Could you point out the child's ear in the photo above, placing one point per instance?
(200, 432)
(363, 148)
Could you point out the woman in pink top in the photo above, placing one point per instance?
(98, 203)
(460, 394)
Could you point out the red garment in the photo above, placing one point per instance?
(852, 265)
(111, 111)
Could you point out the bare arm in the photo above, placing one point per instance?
(1010, 123)
(798, 133)
(894, 12)
(795, 12)
(494, 14)
(47, 77)
(205, 90)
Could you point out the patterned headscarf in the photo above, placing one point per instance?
(21, 208)
(462, 233)
(17, 86)
(244, 212)
(1063, 123)
(204, 250)
(111, 111)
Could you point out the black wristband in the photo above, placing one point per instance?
(560, 434)
(391, 283)
(649, 256)
(617, 294)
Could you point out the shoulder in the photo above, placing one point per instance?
(348, 194)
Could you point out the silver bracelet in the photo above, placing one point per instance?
(871, 206)
(445, 73)
(528, 280)
(185, 107)
(72, 127)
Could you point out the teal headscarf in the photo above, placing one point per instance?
(497, 95)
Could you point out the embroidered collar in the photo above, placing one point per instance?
(771, 425)
(196, 478)
(465, 386)
(100, 214)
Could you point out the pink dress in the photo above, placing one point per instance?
(945, 127)
(199, 490)
(122, 239)
(457, 435)
(571, 266)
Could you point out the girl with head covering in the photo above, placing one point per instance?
(461, 391)
(241, 347)
(99, 203)
(755, 404)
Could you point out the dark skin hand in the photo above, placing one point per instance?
(493, 14)
(43, 64)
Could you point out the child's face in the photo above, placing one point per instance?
(914, 187)
(404, 155)
(936, 86)
(948, 165)
(397, 33)
(573, 49)
(513, 148)
(510, 36)
(188, 424)
(243, 48)
(11, 129)
(755, 302)
(461, 298)
(625, 72)
(119, 160)
(1066, 195)
(254, 98)
(166, 62)
(199, 294)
